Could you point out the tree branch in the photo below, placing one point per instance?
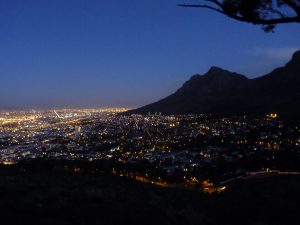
(283, 19)
(294, 19)
(202, 6)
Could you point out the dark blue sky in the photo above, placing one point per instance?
(91, 53)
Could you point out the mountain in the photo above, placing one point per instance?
(222, 92)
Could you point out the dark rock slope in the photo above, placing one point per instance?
(222, 92)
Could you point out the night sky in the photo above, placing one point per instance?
(94, 53)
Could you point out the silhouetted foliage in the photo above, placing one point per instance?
(267, 13)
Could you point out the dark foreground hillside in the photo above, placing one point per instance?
(42, 197)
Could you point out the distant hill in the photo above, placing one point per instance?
(222, 92)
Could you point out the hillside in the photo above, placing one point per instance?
(222, 92)
(49, 197)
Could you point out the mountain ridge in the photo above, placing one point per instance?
(223, 92)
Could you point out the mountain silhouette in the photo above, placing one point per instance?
(222, 92)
